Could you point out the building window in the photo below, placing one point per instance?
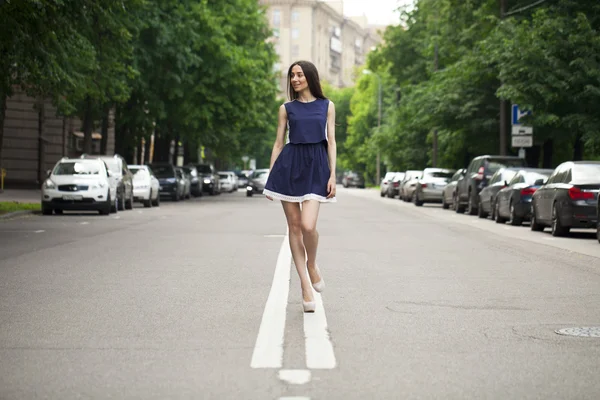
(276, 17)
(276, 32)
(295, 16)
(295, 50)
(295, 33)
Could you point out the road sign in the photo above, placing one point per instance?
(517, 114)
(522, 141)
(520, 130)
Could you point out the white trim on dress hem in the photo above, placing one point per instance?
(298, 199)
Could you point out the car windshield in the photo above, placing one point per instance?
(138, 172)
(223, 176)
(259, 174)
(531, 177)
(586, 172)
(495, 165)
(440, 174)
(77, 168)
(204, 169)
(163, 171)
(113, 166)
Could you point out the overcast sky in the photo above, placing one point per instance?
(378, 12)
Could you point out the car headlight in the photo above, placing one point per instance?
(171, 180)
(49, 184)
(207, 181)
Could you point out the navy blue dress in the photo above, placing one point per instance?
(301, 171)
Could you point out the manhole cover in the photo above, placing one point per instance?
(584, 331)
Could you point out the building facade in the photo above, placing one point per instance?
(317, 31)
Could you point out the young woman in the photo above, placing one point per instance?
(302, 172)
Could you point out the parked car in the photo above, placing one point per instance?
(146, 188)
(242, 179)
(430, 186)
(210, 179)
(257, 182)
(449, 191)
(568, 199)
(122, 177)
(228, 183)
(186, 181)
(385, 182)
(487, 196)
(408, 184)
(513, 202)
(394, 186)
(79, 184)
(170, 183)
(195, 179)
(353, 179)
(478, 174)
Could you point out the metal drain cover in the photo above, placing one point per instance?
(584, 331)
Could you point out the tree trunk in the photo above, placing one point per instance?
(548, 152)
(3, 97)
(88, 126)
(104, 129)
(578, 149)
(41, 140)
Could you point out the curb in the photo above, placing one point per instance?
(18, 213)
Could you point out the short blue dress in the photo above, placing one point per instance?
(301, 171)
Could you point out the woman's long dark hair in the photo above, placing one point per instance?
(312, 78)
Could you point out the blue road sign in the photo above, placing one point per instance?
(517, 114)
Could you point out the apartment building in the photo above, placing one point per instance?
(317, 31)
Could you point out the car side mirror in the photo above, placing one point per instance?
(505, 183)
(49, 172)
(109, 173)
(539, 182)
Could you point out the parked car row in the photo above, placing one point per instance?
(107, 184)
(507, 190)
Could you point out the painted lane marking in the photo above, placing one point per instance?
(268, 350)
(319, 349)
(295, 376)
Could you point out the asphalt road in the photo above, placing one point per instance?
(198, 300)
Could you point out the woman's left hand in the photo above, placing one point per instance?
(331, 188)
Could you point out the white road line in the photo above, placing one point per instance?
(294, 398)
(40, 231)
(295, 376)
(319, 349)
(268, 350)
(84, 223)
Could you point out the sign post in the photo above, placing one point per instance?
(521, 136)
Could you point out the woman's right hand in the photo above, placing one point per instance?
(269, 197)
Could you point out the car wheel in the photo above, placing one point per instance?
(148, 203)
(416, 200)
(535, 225)
(557, 227)
(156, 202)
(107, 208)
(598, 231)
(499, 219)
(470, 209)
(114, 208)
(122, 202)
(457, 207)
(480, 212)
(445, 205)
(129, 203)
(514, 219)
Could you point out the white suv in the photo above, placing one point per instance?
(79, 184)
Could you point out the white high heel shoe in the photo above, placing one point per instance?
(319, 286)
(309, 306)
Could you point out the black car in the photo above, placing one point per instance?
(210, 179)
(568, 199)
(170, 184)
(478, 175)
(487, 196)
(513, 202)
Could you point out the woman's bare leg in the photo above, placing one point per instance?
(310, 236)
(293, 215)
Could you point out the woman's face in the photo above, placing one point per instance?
(297, 79)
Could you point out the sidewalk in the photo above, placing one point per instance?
(21, 195)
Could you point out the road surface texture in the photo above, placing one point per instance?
(200, 300)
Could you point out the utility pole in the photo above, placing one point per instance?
(503, 105)
(378, 127)
(434, 157)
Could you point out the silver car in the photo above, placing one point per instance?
(430, 187)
